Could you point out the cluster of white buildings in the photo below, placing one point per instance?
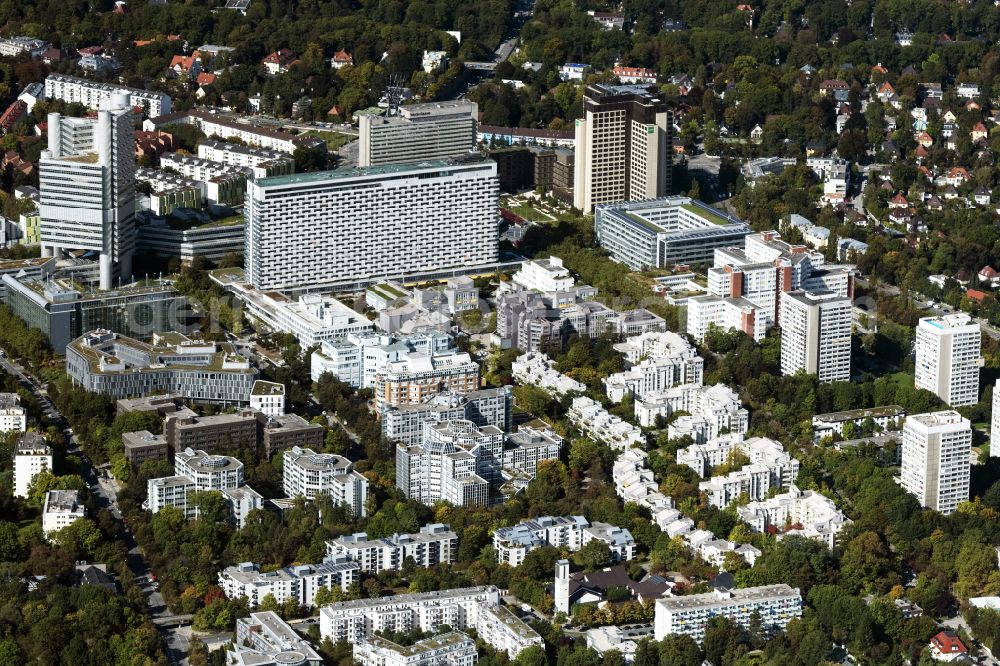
(773, 605)
(537, 369)
(404, 424)
(460, 609)
(434, 544)
(710, 410)
(300, 582)
(91, 93)
(654, 362)
(360, 358)
(888, 417)
(196, 470)
(513, 543)
(595, 421)
(770, 466)
(312, 474)
(797, 512)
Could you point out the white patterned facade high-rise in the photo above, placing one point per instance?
(947, 358)
(937, 450)
(816, 335)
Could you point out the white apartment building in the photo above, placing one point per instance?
(655, 362)
(309, 474)
(262, 162)
(451, 649)
(222, 127)
(937, 459)
(209, 472)
(312, 318)
(544, 275)
(87, 187)
(354, 621)
(432, 131)
(623, 146)
(356, 225)
(753, 481)
(13, 418)
(537, 369)
(404, 424)
(170, 491)
(733, 276)
(513, 543)
(264, 639)
(11, 47)
(775, 605)
(762, 450)
(360, 358)
(818, 515)
(61, 509)
(434, 544)
(92, 93)
(221, 183)
(597, 422)
(725, 313)
(995, 422)
(32, 456)
(947, 358)
(300, 582)
(816, 335)
(268, 398)
(888, 417)
(505, 632)
(718, 406)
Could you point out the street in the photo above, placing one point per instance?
(176, 634)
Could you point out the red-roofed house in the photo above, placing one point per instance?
(836, 87)
(341, 59)
(13, 113)
(924, 139)
(956, 176)
(12, 161)
(153, 144)
(91, 50)
(205, 79)
(921, 152)
(879, 69)
(978, 133)
(976, 295)
(946, 646)
(899, 201)
(989, 275)
(634, 74)
(279, 61)
(885, 92)
(185, 66)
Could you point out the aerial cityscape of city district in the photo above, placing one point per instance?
(503, 332)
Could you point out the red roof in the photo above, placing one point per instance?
(620, 71)
(979, 127)
(976, 295)
(343, 56)
(886, 87)
(900, 199)
(947, 642)
(988, 272)
(13, 113)
(206, 79)
(281, 57)
(834, 84)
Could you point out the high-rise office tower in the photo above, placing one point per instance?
(936, 459)
(433, 131)
(947, 358)
(816, 334)
(87, 187)
(995, 422)
(623, 146)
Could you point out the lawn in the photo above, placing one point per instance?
(334, 140)
(531, 214)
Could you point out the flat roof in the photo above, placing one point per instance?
(379, 170)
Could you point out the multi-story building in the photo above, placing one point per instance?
(948, 357)
(451, 649)
(665, 232)
(221, 183)
(87, 187)
(733, 276)
(816, 334)
(360, 358)
(995, 422)
(404, 424)
(512, 544)
(32, 456)
(12, 415)
(528, 320)
(888, 417)
(354, 621)
(544, 275)
(120, 367)
(262, 162)
(310, 474)
(209, 472)
(242, 500)
(212, 241)
(170, 491)
(623, 146)
(595, 421)
(264, 639)
(222, 127)
(141, 446)
(92, 93)
(537, 369)
(818, 517)
(781, 466)
(937, 459)
(64, 310)
(61, 509)
(11, 47)
(465, 464)
(654, 362)
(168, 191)
(724, 313)
(710, 410)
(433, 131)
(359, 224)
(268, 398)
(774, 605)
(434, 544)
(505, 632)
(300, 582)
(413, 378)
(220, 432)
(286, 431)
(312, 318)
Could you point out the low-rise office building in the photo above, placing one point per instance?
(278, 433)
(220, 432)
(187, 241)
(434, 544)
(117, 366)
(310, 474)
